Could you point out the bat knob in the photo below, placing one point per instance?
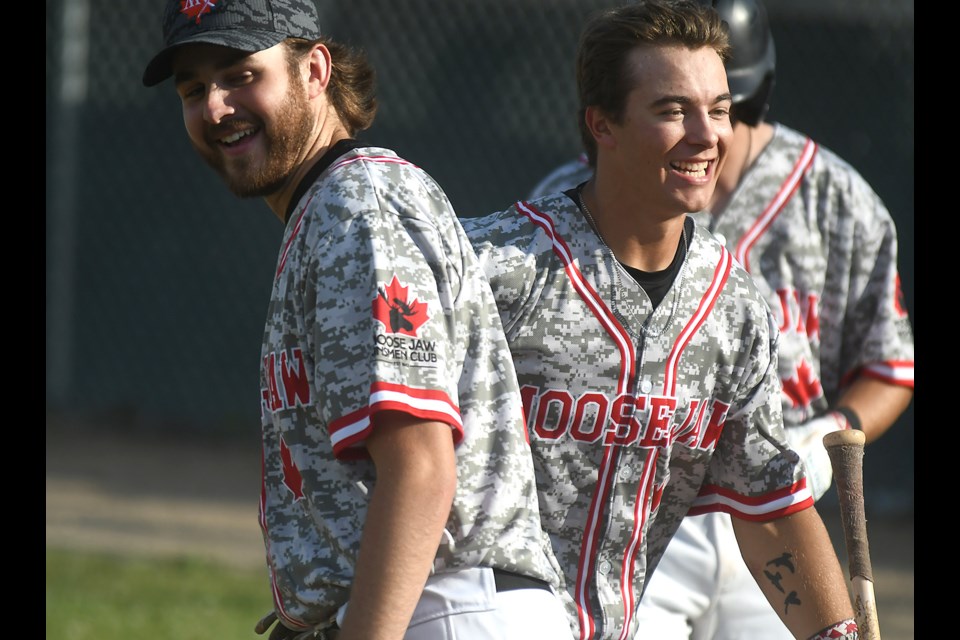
(846, 437)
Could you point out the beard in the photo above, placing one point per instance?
(284, 140)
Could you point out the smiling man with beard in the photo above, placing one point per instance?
(397, 478)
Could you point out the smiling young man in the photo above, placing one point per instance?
(822, 247)
(398, 496)
(646, 356)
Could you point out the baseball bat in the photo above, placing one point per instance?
(845, 449)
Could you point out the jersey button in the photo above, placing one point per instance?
(625, 473)
(604, 567)
(645, 386)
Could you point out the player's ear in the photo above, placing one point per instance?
(319, 69)
(598, 124)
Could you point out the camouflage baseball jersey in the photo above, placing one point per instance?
(379, 303)
(635, 418)
(822, 248)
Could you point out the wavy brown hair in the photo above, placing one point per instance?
(603, 73)
(352, 90)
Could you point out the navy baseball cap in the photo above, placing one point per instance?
(246, 25)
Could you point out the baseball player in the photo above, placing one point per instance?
(646, 355)
(398, 496)
(822, 248)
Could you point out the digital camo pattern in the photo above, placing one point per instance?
(248, 26)
(379, 303)
(630, 433)
(830, 239)
(822, 247)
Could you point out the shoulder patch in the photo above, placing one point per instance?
(396, 311)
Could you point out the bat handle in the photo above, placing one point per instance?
(845, 449)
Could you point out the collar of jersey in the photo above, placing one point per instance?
(334, 152)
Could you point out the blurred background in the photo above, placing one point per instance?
(157, 278)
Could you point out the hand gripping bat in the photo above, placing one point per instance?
(846, 456)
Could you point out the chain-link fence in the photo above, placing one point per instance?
(158, 278)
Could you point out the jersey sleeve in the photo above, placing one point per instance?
(509, 250)
(875, 336)
(753, 474)
(381, 285)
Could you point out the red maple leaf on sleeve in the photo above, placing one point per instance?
(396, 311)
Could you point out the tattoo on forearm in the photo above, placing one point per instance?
(782, 564)
(785, 561)
(791, 598)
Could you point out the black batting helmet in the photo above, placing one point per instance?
(750, 69)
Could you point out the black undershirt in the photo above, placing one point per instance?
(654, 283)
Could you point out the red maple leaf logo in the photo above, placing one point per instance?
(802, 387)
(396, 311)
(291, 475)
(196, 8)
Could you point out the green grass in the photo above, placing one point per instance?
(95, 596)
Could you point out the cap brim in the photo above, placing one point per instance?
(160, 66)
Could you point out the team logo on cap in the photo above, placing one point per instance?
(396, 311)
(196, 8)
